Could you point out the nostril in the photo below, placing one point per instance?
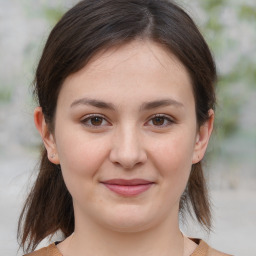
(127, 153)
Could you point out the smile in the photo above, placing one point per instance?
(128, 187)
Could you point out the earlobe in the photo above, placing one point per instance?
(46, 135)
(202, 138)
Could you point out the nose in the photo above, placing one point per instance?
(127, 149)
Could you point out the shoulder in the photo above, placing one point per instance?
(203, 249)
(50, 250)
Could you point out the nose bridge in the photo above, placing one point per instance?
(127, 147)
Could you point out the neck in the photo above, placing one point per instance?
(163, 239)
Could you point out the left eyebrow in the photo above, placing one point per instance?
(160, 103)
(93, 102)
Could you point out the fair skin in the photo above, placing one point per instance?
(124, 88)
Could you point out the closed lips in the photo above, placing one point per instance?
(123, 182)
(128, 188)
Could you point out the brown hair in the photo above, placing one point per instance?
(87, 28)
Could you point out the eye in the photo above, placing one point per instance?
(160, 121)
(94, 121)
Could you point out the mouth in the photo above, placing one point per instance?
(128, 188)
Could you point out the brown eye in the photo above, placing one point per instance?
(159, 120)
(96, 121)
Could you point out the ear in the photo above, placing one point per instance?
(46, 135)
(202, 138)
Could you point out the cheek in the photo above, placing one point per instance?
(80, 161)
(173, 157)
(80, 156)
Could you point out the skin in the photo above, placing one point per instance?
(127, 141)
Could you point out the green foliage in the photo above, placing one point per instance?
(227, 111)
(52, 14)
(213, 24)
(246, 71)
(47, 10)
(248, 13)
(211, 5)
(5, 94)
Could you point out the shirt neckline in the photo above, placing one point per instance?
(201, 248)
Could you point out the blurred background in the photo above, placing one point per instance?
(229, 27)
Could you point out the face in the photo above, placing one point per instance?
(126, 137)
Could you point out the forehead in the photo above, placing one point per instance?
(144, 67)
(153, 55)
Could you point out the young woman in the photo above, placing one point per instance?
(126, 109)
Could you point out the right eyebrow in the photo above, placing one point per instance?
(93, 102)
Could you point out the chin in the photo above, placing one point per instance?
(129, 220)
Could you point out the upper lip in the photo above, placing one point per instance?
(125, 182)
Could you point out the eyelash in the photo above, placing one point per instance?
(89, 118)
(169, 120)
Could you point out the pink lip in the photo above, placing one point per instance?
(128, 187)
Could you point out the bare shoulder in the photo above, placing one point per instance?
(50, 250)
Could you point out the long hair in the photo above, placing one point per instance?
(87, 28)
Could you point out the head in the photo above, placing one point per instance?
(88, 45)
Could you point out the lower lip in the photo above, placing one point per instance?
(128, 190)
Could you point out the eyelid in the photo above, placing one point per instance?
(89, 116)
(166, 117)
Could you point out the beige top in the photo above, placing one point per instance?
(203, 249)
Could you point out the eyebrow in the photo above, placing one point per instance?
(160, 103)
(94, 103)
(145, 106)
